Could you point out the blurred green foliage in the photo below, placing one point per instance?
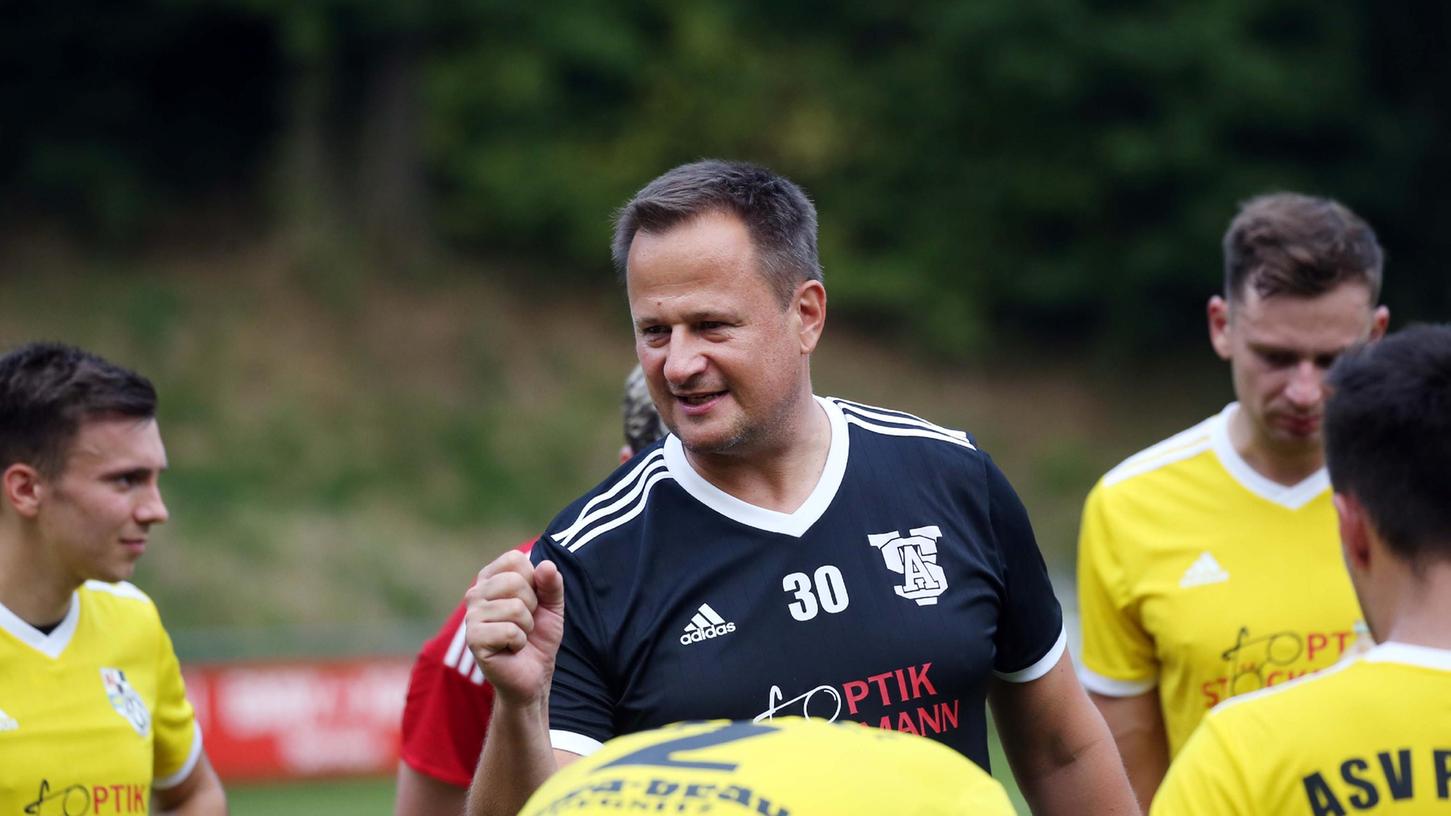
(1051, 170)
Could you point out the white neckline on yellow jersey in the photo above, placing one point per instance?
(1291, 497)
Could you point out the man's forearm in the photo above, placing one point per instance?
(200, 794)
(1138, 729)
(1092, 782)
(516, 759)
(1061, 751)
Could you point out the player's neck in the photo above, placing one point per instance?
(1281, 466)
(1422, 609)
(26, 589)
(781, 475)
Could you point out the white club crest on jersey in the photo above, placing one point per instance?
(914, 557)
(1204, 570)
(125, 700)
(7, 722)
(705, 624)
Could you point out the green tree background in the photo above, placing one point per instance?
(989, 172)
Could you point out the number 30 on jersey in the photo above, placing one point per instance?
(824, 589)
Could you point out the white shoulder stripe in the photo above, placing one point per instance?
(460, 659)
(897, 431)
(898, 417)
(123, 589)
(630, 485)
(1183, 445)
(456, 649)
(639, 506)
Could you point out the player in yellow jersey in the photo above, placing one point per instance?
(1372, 734)
(93, 715)
(1207, 564)
(788, 765)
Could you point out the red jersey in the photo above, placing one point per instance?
(447, 710)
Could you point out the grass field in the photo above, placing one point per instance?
(344, 797)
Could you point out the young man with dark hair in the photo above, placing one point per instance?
(446, 714)
(95, 716)
(780, 553)
(1207, 563)
(1372, 734)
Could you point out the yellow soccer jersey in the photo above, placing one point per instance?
(788, 765)
(1200, 577)
(1370, 735)
(93, 714)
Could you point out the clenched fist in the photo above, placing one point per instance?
(514, 624)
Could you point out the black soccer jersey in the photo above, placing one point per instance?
(907, 578)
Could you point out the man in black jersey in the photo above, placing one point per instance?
(779, 553)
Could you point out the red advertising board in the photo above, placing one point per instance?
(300, 720)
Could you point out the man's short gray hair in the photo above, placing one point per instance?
(777, 213)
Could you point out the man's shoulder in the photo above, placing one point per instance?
(889, 427)
(121, 598)
(608, 508)
(1304, 698)
(117, 619)
(1359, 681)
(896, 444)
(1189, 449)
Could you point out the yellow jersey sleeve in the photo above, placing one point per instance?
(787, 765)
(178, 742)
(1117, 651)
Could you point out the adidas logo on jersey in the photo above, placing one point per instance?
(1205, 570)
(7, 722)
(704, 625)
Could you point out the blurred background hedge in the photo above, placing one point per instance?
(989, 172)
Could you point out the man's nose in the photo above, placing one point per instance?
(152, 509)
(1307, 385)
(683, 359)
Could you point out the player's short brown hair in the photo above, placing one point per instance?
(1299, 245)
(48, 389)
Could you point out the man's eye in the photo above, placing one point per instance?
(1277, 359)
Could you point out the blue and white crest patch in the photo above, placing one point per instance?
(125, 700)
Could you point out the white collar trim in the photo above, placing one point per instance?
(1411, 654)
(50, 645)
(1291, 497)
(792, 524)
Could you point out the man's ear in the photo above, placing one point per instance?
(1378, 322)
(1218, 313)
(1354, 532)
(810, 307)
(23, 488)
